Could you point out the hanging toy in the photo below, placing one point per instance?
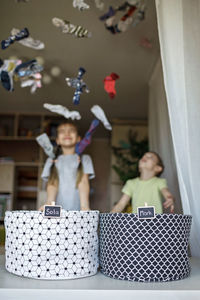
(7, 68)
(100, 116)
(80, 4)
(44, 141)
(28, 68)
(99, 4)
(80, 146)
(22, 34)
(79, 85)
(109, 84)
(29, 41)
(130, 7)
(123, 24)
(110, 13)
(66, 27)
(140, 16)
(34, 81)
(25, 1)
(63, 111)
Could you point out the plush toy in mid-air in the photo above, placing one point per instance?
(63, 111)
(7, 69)
(22, 34)
(79, 85)
(80, 4)
(67, 27)
(109, 84)
(28, 68)
(29, 41)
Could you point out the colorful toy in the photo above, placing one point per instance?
(80, 146)
(22, 34)
(63, 111)
(28, 68)
(29, 41)
(109, 84)
(67, 27)
(34, 81)
(7, 68)
(79, 85)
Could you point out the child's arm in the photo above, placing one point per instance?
(84, 190)
(52, 191)
(123, 202)
(169, 199)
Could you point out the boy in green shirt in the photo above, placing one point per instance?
(148, 188)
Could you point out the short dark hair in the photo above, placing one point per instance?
(159, 163)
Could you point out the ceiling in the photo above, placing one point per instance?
(100, 55)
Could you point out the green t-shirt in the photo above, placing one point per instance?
(148, 191)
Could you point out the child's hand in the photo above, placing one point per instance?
(41, 208)
(169, 200)
(54, 161)
(121, 204)
(169, 203)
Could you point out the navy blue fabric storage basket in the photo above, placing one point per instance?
(144, 250)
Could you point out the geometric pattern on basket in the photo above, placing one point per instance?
(52, 248)
(144, 250)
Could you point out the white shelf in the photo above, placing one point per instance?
(22, 138)
(98, 287)
(22, 164)
(27, 164)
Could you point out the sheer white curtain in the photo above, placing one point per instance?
(179, 34)
(160, 139)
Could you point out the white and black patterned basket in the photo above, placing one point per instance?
(51, 248)
(144, 250)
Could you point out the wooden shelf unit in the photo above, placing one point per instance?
(18, 133)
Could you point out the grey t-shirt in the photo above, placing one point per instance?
(68, 194)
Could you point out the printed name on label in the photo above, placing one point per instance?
(52, 211)
(146, 212)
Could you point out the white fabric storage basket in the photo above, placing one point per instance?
(144, 250)
(52, 248)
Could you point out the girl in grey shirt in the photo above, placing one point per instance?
(68, 175)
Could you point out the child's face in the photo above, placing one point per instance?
(67, 135)
(149, 162)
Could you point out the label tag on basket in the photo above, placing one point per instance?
(146, 212)
(52, 211)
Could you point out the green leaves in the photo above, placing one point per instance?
(128, 155)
